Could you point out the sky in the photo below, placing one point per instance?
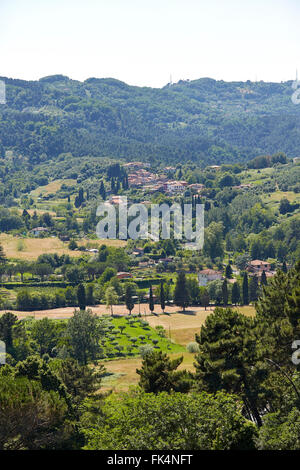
(145, 42)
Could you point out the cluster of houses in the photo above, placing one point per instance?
(139, 176)
(254, 268)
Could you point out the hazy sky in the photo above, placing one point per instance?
(143, 42)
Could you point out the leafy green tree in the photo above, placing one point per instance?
(46, 335)
(7, 322)
(84, 333)
(166, 421)
(42, 270)
(111, 298)
(81, 381)
(32, 418)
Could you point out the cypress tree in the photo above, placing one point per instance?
(225, 292)
(151, 303)
(245, 289)
(263, 280)
(284, 267)
(128, 298)
(205, 299)
(102, 191)
(162, 297)
(112, 183)
(181, 295)
(236, 294)
(81, 298)
(228, 271)
(253, 289)
(2, 255)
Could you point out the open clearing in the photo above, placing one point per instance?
(52, 187)
(123, 371)
(180, 328)
(32, 248)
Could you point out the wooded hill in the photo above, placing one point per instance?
(204, 120)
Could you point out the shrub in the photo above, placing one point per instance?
(145, 349)
(192, 347)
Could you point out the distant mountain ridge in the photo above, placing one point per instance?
(202, 120)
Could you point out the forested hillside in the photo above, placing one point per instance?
(204, 120)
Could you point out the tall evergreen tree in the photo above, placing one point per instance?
(245, 289)
(112, 185)
(181, 295)
(129, 298)
(102, 191)
(228, 271)
(81, 297)
(263, 279)
(205, 299)
(253, 289)
(151, 302)
(236, 294)
(3, 259)
(225, 292)
(284, 267)
(162, 297)
(158, 374)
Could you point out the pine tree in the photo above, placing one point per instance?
(158, 374)
(236, 294)
(81, 298)
(151, 302)
(181, 295)
(225, 292)
(162, 297)
(227, 359)
(245, 289)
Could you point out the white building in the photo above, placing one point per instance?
(207, 275)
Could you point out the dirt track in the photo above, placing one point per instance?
(67, 312)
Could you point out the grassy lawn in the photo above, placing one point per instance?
(273, 199)
(122, 372)
(52, 187)
(134, 333)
